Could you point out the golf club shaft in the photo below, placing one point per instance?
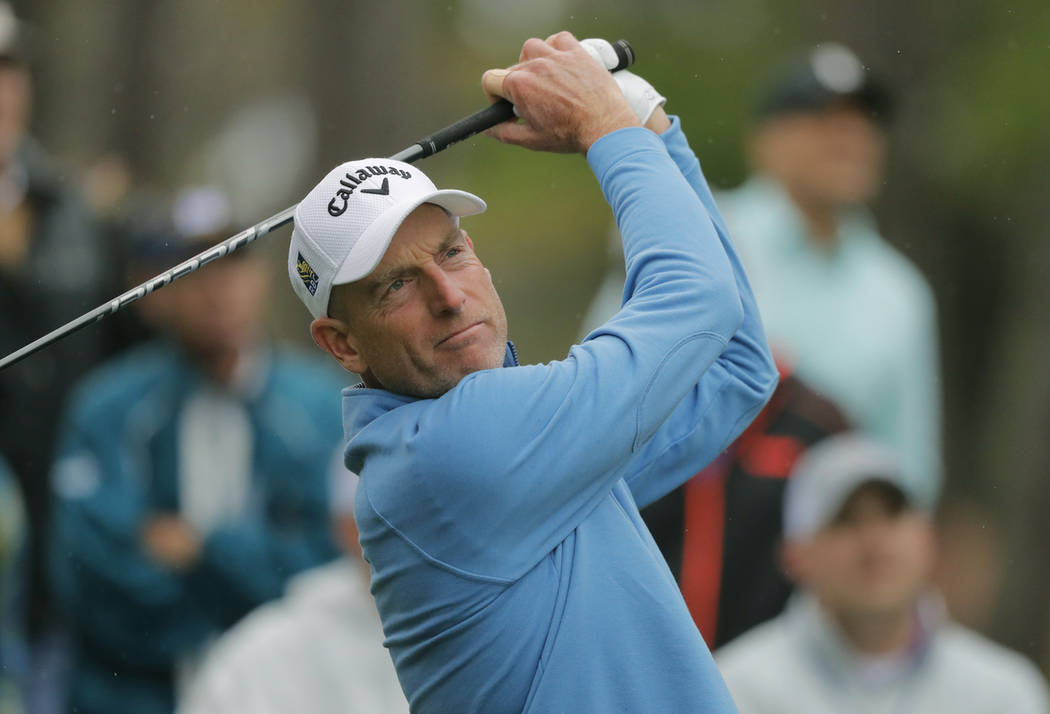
(465, 128)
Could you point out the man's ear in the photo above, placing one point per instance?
(333, 336)
(792, 560)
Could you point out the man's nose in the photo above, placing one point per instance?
(443, 293)
(874, 529)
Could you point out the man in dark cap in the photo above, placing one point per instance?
(850, 314)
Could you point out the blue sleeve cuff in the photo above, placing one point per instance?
(614, 146)
(674, 137)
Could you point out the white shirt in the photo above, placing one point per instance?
(799, 663)
(318, 650)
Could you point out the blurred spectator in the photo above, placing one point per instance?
(866, 632)
(54, 265)
(12, 592)
(191, 479)
(116, 199)
(719, 531)
(319, 649)
(854, 317)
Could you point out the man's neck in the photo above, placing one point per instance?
(227, 368)
(370, 381)
(879, 634)
(820, 219)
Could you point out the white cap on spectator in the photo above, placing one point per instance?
(829, 472)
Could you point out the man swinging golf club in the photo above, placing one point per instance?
(498, 503)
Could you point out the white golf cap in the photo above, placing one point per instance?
(345, 224)
(829, 472)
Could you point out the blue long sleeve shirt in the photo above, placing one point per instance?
(510, 566)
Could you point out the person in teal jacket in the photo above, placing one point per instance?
(191, 483)
(498, 503)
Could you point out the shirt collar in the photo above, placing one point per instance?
(828, 644)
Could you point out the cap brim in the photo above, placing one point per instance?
(371, 246)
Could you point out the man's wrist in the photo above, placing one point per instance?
(610, 149)
(624, 120)
(659, 122)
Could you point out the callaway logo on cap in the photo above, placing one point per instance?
(353, 181)
(344, 225)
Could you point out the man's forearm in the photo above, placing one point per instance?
(750, 339)
(733, 392)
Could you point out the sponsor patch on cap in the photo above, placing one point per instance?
(307, 274)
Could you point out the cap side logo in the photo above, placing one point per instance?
(307, 274)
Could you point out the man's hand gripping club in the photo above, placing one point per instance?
(565, 99)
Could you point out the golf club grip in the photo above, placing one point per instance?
(468, 126)
(491, 115)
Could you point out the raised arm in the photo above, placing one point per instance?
(516, 458)
(683, 447)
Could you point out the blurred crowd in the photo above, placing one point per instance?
(176, 527)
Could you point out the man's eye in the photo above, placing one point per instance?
(453, 252)
(397, 285)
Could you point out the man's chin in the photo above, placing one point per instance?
(465, 371)
(432, 388)
(454, 376)
(476, 357)
(432, 382)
